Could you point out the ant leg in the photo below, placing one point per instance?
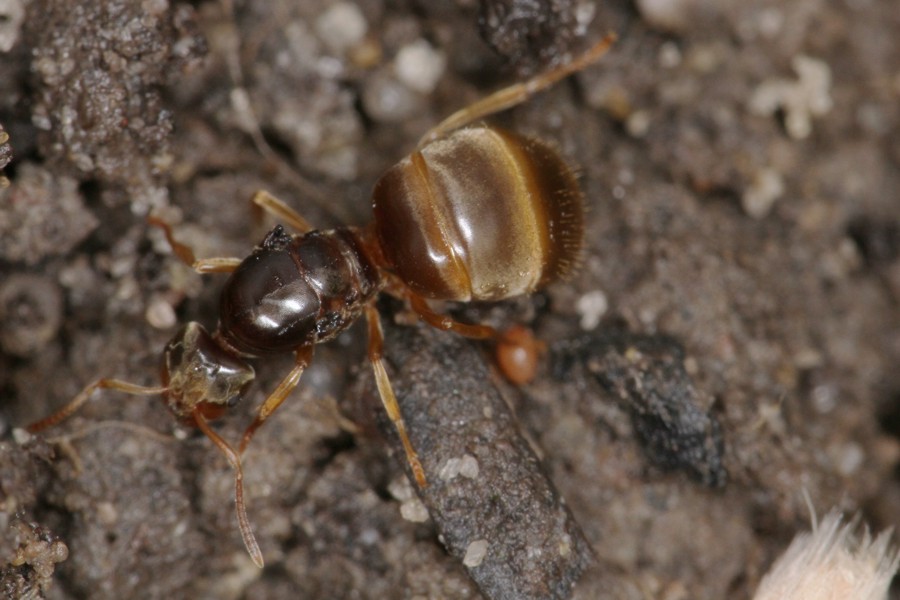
(448, 323)
(388, 399)
(235, 460)
(78, 401)
(280, 210)
(186, 255)
(516, 93)
(419, 305)
(301, 360)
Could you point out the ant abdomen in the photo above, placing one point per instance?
(295, 291)
(483, 214)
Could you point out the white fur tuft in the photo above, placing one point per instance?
(833, 563)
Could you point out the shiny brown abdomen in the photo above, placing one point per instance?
(483, 214)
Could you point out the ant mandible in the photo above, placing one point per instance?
(475, 213)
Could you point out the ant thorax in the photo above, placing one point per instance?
(296, 290)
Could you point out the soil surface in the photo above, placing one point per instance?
(724, 359)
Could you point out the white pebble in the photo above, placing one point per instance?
(414, 511)
(807, 97)
(767, 186)
(160, 314)
(592, 306)
(342, 26)
(21, 436)
(475, 553)
(450, 469)
(849, 458)
(638, 123)
(667, 15)
(419, 66)
(387, 100)
(669, 55)
(468, 466)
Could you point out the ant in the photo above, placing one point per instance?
(474, 213)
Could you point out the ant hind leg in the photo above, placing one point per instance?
(278, 209)
(517, 93)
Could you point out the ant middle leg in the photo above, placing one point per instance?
(386, 392)
(186, 254)
(447, 323)
(420, 306)
(263, 199)
(517, 93)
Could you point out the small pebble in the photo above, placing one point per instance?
(160, 314)
(592, 306)
(475, 553)
(387, 100)
(667, 15)
(414, 511)
(758, 199)
(802, 99)
(341, 26)
(419, 66)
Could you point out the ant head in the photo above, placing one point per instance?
(201, 375)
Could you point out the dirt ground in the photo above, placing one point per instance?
(741, 169)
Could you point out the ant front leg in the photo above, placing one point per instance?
(386, 392)
(302, 359)
(516, 93)
(186, 255)
(235, 460)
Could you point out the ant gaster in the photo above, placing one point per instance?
(475, 213)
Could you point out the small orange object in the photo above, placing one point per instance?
(518, 352)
